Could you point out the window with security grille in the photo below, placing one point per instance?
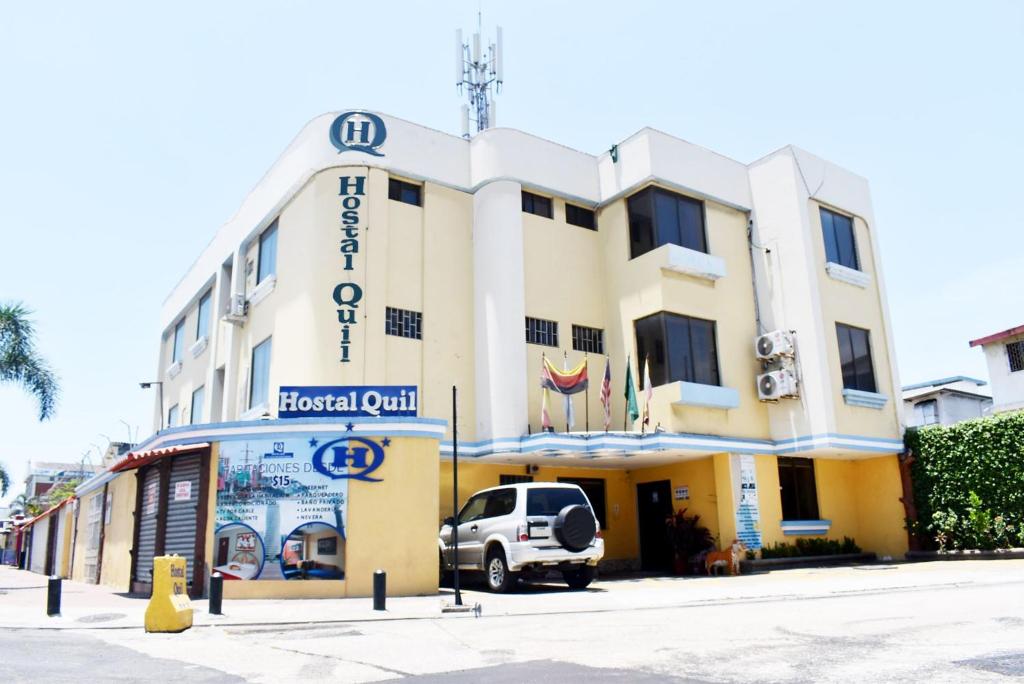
(590, 340)
(539, 331)
(514, 479)
(403, 323)
(1015, 355)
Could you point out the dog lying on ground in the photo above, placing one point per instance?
(730, 558)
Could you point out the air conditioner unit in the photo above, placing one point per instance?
(236, 309)
(774, 344)
(776, 385)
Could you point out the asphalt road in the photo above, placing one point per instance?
(963, 627)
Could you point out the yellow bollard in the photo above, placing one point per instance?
(169, 609)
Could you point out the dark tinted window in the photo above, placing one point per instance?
(594, 489)
(855, 358)
(535, 204)
(578, 216)
(677, 348)
(658, 217)
(840, 247)
(797, 488)
(549, 501)
(400, 191)
(500, 502)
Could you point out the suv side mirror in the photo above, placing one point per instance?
(450, 521)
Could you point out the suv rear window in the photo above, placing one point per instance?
(549, 501)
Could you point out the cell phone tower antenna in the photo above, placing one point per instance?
(477, 72)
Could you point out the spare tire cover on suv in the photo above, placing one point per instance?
(575, 527)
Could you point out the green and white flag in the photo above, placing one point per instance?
(631, 407)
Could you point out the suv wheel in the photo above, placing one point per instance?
(581, 577)
(499, 578)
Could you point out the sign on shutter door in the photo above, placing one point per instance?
(182, 505)
(147, 525)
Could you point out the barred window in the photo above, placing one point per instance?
(539, 331)
(504, 480)
(403, 323)
(590, 340)
(1015, 353)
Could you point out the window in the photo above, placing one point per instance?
(539, 331)
(268, 254)
(855, 358)
(179, 341)
(173, 416)
(797, 488)
(198, 397)
(535, 204)
(1015, 355)
(926, 412)
(551, 500)
(400, 191)
(203, 324)
(259, 379)
(658, 217)
(594, 489)
(514, 479)
(840, 247)
(488, 505)
(590, 340)
(578, 216)
(677, 348)
(403, 323)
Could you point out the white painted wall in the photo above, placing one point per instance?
(1007, 386)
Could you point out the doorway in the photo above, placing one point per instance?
(222, 550)
(653, 507)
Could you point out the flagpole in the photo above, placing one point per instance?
(586, 395)
(568, 397)
(625, 409)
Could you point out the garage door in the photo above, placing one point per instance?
(150, 505)
(37, 552)
(182, 507)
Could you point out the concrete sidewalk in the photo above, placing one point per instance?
(91, 607)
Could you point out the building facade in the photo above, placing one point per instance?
(1004, 355)
(379, 253)
(946, 401)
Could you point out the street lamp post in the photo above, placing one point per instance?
(147, 385)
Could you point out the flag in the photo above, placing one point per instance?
(648, 392)
(545, 413)
(564, 381)
(630, 394)
(570, 414)
(606, 393)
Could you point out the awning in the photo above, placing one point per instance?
(137, 459)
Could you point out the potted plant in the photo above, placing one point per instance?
(688, 539)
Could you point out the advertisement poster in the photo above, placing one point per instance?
(748, 514)
(282, 505)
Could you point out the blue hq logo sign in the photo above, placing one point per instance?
(358, 132)
(352, 458)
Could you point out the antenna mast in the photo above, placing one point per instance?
(477, 73)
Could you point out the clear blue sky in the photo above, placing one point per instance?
(129, 132)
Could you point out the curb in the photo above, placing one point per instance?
(973, 554)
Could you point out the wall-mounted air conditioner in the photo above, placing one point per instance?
(775, 344)
(777, 384)
(236, 309)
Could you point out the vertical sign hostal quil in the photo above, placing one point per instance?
(347, 295)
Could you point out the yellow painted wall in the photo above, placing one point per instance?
(68, 515)
(862, 308)
(837, 496)
(699, 476)
(880, 513)
(120, 533)
(769, 499)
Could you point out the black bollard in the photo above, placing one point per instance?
(380, 583)
(53, 596)
(216, 593)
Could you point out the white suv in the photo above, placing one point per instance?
(523, 529)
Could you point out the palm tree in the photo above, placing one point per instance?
(25, 505)
(19, 360)
(5, 480)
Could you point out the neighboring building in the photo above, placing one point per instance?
(946, 401)
(42, 476)
(1004, 354)
(377, 252)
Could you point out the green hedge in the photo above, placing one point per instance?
(969, 483)
(810, 546)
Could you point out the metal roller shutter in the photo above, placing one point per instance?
(37, 551)
(182, 508)
(150, 505)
